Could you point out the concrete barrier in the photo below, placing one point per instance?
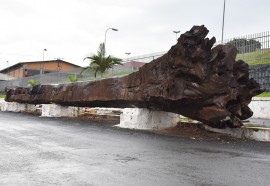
(18, 107)
(254, 133)
(53, 110)
(137, 118)
(260, 107)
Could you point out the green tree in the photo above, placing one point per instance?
(99, 62)
(255, 44)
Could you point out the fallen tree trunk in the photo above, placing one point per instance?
(192, 79)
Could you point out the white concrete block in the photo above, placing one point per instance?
(53, 110)
(17, 107)
(260, 108)
(137, 118)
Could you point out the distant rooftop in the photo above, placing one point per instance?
(22, 63)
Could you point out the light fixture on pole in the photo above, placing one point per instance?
(43, 52)
(127, 53)
(42, 67)
(114, 29)
(176, 32)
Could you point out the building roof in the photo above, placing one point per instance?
(4, 77)
(23, 63)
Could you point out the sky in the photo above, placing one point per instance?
(73, 29)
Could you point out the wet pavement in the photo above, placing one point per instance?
(54, 151)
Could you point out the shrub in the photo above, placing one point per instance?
(33, 82)
(72, 78)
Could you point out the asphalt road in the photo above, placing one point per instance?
(49, 151)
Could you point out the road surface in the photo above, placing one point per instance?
(49, 151)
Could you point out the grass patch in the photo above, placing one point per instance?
(255, 58)
(264, 94)
(2, 95)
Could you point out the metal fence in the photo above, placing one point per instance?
(145, 58)
(62, 77)
(253, 49)
(57, 77)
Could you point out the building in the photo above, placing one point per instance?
(4, 77)
(25, 69)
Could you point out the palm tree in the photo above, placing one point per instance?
(99, 63)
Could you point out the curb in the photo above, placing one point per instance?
(254, 133)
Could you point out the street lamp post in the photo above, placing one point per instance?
(114, 29)
(223, 21)
(127, 53)
(43, 52)
(176, 32)
(42, 67)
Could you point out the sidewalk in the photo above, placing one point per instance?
(257, 122)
